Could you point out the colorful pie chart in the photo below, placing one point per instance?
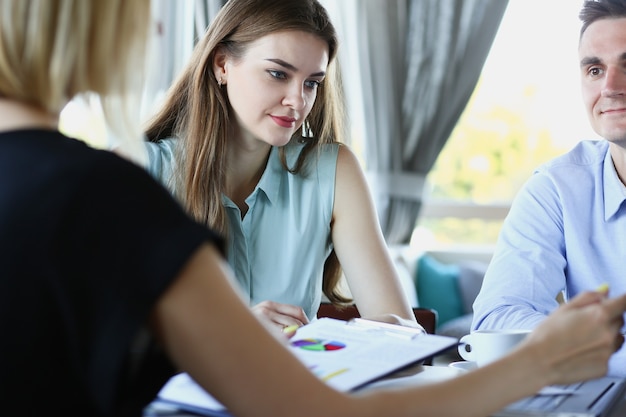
(318, 344)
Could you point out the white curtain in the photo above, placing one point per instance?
(204, 13)
(179, 24)
(409, 66)
(171, 46)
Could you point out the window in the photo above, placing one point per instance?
(525, 110)
(82, 120)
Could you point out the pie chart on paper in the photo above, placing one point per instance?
(318, 345)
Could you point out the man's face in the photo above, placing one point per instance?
(602, 58)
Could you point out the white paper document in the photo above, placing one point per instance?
(345, 355)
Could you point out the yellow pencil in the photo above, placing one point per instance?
(604, 288)
(334, 374)
(290, 329)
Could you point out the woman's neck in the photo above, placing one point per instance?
(246, 165)
(16, 115)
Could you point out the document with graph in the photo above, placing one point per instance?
(346, 355)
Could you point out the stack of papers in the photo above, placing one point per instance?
(345, 355)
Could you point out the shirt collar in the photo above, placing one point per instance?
(614, 190)
(269, 184)
(271, 178)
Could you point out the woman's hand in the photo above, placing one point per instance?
(576, 341)
(279, 316)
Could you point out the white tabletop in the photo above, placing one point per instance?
(414, 376)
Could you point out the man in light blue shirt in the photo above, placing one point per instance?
(566, 231)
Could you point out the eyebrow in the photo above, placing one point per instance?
(589, 61)
(293, 68)
(595, 60)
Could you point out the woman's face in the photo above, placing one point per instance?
(272, 88)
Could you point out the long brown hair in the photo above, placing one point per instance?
(196, 109)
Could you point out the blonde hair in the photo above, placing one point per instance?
(196, 109)
(52, 50)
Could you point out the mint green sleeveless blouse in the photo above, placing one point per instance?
(278, 249)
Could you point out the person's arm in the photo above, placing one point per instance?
(280, 315)
(161, 161)
(530, 254)
(360, 245)
(209, 333)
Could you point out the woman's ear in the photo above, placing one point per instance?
(219, 65)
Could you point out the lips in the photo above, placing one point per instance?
(609, 107)
(613, 111)
(283, 121)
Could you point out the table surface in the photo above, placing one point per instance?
(414, 376)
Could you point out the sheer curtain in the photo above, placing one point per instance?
(179, 24)
(205, 11)
(170, 48)
(410, 67)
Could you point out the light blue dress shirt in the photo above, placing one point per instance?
(566, 231)
(278, 249)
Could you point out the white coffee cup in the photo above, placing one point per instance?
(485, 346)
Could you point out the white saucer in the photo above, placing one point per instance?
(463, 365)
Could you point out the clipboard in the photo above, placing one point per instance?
(346, 355)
